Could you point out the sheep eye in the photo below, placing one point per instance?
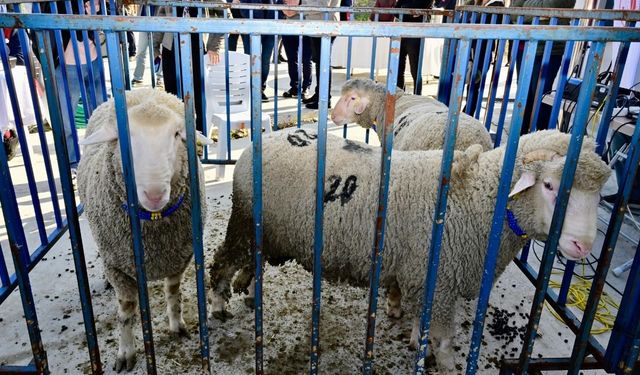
(177, 134)
(353, 98)
(548, 186)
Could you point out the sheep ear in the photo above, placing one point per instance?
(361, 105)
(200, 138)
(527, 180)
(104, 134)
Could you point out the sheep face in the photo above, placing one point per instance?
(539, 183)
(157, 148)
(351, 104)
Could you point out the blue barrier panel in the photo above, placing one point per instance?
(562, 79)
(78, 64)
(495, 78)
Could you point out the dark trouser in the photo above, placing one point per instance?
(315, 57)
(171, 83)
(267, 42)
(618, 140)
(409, 47)
(290, 44)
(131, 43)
(233, 42)
(545, 110)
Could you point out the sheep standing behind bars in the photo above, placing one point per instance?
(157, 128)
(420, 121)
(351, 199)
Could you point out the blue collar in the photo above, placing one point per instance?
(513, 225)
(156, 215)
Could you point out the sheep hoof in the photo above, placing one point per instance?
(222, 315)
(250, 302)
(182, 333)
(125, 362)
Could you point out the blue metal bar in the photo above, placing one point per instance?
(448, 51)
(24, 146)
(68, 195)
(103, 83)
(125, 48)
(524, 254)
(542, 77)
(485, 69)
(476, 62)
(300, 78)
(152, 65)
(507, 87)
(10, 370)
(226, 88)
(87, 53)
(194, 191)
(4, 274)
(383, 199)
(627, 317)
(495, 80)
(374, 46)
(349, 48)
(200, 117)
(551, 246)
(591, 14)
(497, 224)
(318, 243)
(610, 239)
(78, 64)
(630, 363)
(118, 90)
(36, 256)
(65, 79)
(612, 94)
(566, 282)
(275, 54)
(418, 89)
(256, 137)
(176, 54)
(562, 79)
(18, 245)
(437, 229)
(24, 45)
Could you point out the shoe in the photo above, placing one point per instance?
(305, 93)
(74, 177)
(265, 98)
(311, 99)
(159, 82)
(136, 81)
(281, 58)
(291, 93)
(315, 105)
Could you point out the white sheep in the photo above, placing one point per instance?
(351, 199)
(157, 128)
(420, 121)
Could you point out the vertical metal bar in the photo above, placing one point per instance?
(497, 223)
(437, 229)
(87, 52)
(374, 47)
(562, 79)
(124, 45)
(610, 240)
(78, 65)
(524, 255)
(551, 246)
(633, 351)
(383, 200)
(318, 243)
(485, 69)
(152, 58)
(495, 79)
(349, 48)
(176, 55)
(449, 55)
(276, 55)
(542, 77)
(63, 70)
(610, 102)
(96, 37)
(24, 45)
(4, 274)
(256, 136)
(200, 117)
(194, 191)
(24, 146)
(627, 317)
(566, 282)
(418, 89)
(48, 72)
(226, 88)
(300, 77)
(118, 90)
(476, 62)
(507, 87)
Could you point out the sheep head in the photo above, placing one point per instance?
(357, 96)
(158, 147)
(540, 171)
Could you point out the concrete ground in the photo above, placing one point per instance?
(287, 293)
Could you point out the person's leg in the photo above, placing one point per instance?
(246, 44)
(131, 42)
(141, 56)
(233, 42)
(267, 50)
(402, 63)
(169, 66)
(197, 82)
(97, 86)
(290, 44)
(306, 63)
(414, 56)
(315, 57)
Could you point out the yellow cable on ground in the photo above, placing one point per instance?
(577, 297)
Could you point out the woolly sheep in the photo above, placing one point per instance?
(420, 122)
(158, 132)
(351, 191)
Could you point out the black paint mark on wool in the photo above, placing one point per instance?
(346, 194)
(348, 189)
(297, 138)
(334, 183)
(402, 122)
(354, 147)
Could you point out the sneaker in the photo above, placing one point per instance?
(74, 177)
(265, 98)
(311, 99)
(281, 58)
(159, 82)
(291, 93)
(136, 81)
(315, 105)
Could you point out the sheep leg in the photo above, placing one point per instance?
(394, 297)
(442, 334)
(125, 289)
(173, 297)
(225, 265)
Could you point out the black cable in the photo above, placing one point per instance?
(616, 130)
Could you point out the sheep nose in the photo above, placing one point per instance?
(154, 196)
(583, 248)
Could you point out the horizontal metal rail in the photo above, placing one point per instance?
(598, 14)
